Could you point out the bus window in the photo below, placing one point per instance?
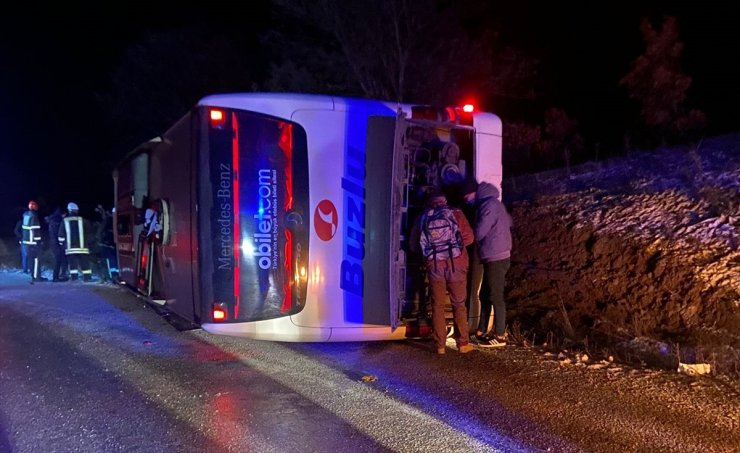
(123, 226)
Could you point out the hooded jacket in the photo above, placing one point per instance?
(492, 224)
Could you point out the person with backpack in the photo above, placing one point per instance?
(441, 235)
(493, 237)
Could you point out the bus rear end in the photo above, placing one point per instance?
(252, 218)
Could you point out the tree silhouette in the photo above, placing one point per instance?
(561, 137)
(402, 50)
(161, 77)
(521, 142)
(657, 82)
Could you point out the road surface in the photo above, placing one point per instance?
(88, 367)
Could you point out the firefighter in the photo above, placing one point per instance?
(73, 236)
(31, 231)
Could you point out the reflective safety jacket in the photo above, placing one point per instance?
(72, 235)
(31, 228)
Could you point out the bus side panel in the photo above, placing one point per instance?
(340, 251)
(170, 181)
(326, 143)
(489, 145)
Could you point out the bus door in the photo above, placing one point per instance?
(384, 261)
(407, 158)
(131, 186)
(154, 233)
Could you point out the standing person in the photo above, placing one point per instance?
(24, 253)
(31, 230)
(493, 236)
(54, 222)
(441, 234)
(475, 272)
(72, 234)
(106, 244)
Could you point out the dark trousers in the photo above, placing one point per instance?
(492, 296)
(24, 257)
(108, 254)
(475, 281)
(32, 256)
(60, 260)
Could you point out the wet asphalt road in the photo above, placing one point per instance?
(91, 368)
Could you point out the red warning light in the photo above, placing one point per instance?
(218, 119)
(219, 312)
(468, 108)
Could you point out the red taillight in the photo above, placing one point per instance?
(465, 114)
(218, 119)
(237, 215)
(286, 146)
(219, 312)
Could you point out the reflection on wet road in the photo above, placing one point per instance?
(88, 367)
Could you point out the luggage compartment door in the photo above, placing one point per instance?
(384, 263)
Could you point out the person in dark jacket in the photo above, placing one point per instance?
(31, 230)
(493, 236)
(106, 246)
(73, 234)
(54, 222)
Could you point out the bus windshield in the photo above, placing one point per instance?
(256, 188)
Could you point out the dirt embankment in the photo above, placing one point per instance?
(645, 246)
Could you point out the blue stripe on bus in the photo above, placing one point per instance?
(353, 189)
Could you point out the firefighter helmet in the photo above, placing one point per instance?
(33, 206)
(72, 207)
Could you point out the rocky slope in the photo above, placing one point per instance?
(638, 250)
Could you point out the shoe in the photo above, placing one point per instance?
(491, 342)
(440, 350)
(465, 348)
(478, 338)
(41, 279)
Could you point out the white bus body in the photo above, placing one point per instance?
(285, 216)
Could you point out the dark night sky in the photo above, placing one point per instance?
(54, 60)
